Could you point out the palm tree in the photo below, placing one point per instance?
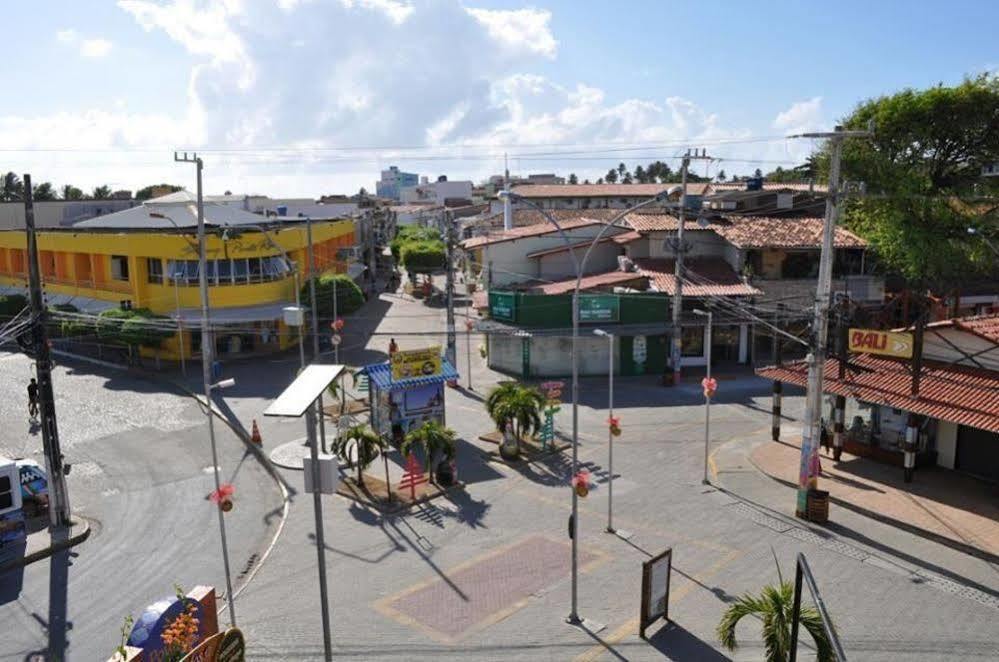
(101, 193)
(11, 188)
(517, 408)
(774, 606)
(436, 441)
(70, 192)
(367, 446)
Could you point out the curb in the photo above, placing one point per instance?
(48, 551)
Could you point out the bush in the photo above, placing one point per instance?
(12, 304)
(72, 326)
(423, 256)
(410, 234)
(348, 295)
(138, 326)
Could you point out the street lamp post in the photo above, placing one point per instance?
(610, 432)
(707, 395)
(579, 266)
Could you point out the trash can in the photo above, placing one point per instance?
(216, 370)
(818, 506)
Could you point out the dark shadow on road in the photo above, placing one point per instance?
(610, 649)
(718, 592)
(469, 511)
(677, 643)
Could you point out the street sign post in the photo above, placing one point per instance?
(886, 343)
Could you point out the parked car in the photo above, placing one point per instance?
(34, 488)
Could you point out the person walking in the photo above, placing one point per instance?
(33, 399)
(393, 348)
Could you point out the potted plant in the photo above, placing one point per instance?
(367, 447)
(774, 606)
(516, 410)
(439, 445)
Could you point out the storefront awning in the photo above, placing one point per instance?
(966, 396)
(380, 375)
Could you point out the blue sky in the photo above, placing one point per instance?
(111, 87)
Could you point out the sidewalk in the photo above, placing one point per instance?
(942, 524)
(42, 544)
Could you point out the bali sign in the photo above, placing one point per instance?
(599, 308)
(870, 341)
(414, 363)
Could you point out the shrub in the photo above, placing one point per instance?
(349, 296)
(423, 256)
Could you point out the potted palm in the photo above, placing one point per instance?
(367, 446)
(439, 445)
(516, 410)
(774, 606)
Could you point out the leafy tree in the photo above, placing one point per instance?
(586, 181)
(720, 176)
(349, 296)
(43, 192)
(611, 176)
(146, 192)
(437, 442)
(134, 327)
(367, 447)
(101, 192)
(12, 188)
(921, 168)
(70, 192)
(757, 173)
(423, 256)
(621, 170)
(410, 234)
(774, 606)
(627, 178)
(517, 407)
(640, 175)
(573, 179)
(600, 180)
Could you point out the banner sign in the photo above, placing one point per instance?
(416, 363)
(871, 341)
(503, 306)
(599, 308)
(655, 590)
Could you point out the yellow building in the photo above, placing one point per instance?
(148, 256)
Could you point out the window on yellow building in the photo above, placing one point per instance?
(119, 267)
(155, 268)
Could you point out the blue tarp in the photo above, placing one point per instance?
(381, 376)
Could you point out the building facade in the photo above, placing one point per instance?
(393, 181)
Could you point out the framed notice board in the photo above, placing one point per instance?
(655, 590)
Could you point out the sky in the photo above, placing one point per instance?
(300, 98)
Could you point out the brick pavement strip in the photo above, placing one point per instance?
(484, 590)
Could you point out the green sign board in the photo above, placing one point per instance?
(599, 308)
(502, 306)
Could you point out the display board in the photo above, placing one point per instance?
(655, 589)
(412, 363)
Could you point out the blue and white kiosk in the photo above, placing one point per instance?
(12, 531)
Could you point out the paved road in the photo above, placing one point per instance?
(382, 568)
(141, 472)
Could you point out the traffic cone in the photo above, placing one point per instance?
(255, 434)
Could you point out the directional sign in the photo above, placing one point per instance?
(872, 341)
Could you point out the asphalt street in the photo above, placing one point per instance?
(141, 472)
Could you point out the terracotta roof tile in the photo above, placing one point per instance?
(604, 190)
(661, 223)
(986, 326)
(768, 232)
(704, 277)
(958, 394)
(590, 282)
(525, 231)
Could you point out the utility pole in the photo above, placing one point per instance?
(59, 513)
(451, 350)
(808, 473)
(207, 349)
(315, 322)
(372, 261)
(681, 248)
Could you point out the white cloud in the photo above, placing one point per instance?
(95, 47)
(67, 36)
(520, 30)
(395, 11)
(801, 116)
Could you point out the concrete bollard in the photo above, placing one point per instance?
(838, 417)
(909, 455)
(775, 426)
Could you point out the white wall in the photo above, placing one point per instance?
(511, 256)
(558, 266)
(436, 192)
(946, 444)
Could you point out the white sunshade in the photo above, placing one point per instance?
(302, 392)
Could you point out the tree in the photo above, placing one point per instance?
(921, 168)
(611, 176)
(439, 448)
(587, 182)
(627, 178)
(134, 327)
(517, 408)
(640, 175)
(146, 192)
(367, 447)
(774, 606)
(720, 176)
(573, 179)
(600, 180)
(423, 256)
(43, 192)
(757, 173)
(12, 189)
(70, 192)
(349, 296)
(621, 170)
(101, 192)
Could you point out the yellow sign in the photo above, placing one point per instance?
(871, 341)
(416, 363)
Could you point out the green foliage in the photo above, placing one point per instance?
(70, 192)
(573, 179)
(437, 442)
(774, 606)
(349, 296)
(146, 192)
(423, 256)
(922, 168)
(367, 447)
(138, 326)
(12, 304)
(72, 326)
(515, 405)
(11, 187)
(101, 192)
(410, 234)
(43, 192)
